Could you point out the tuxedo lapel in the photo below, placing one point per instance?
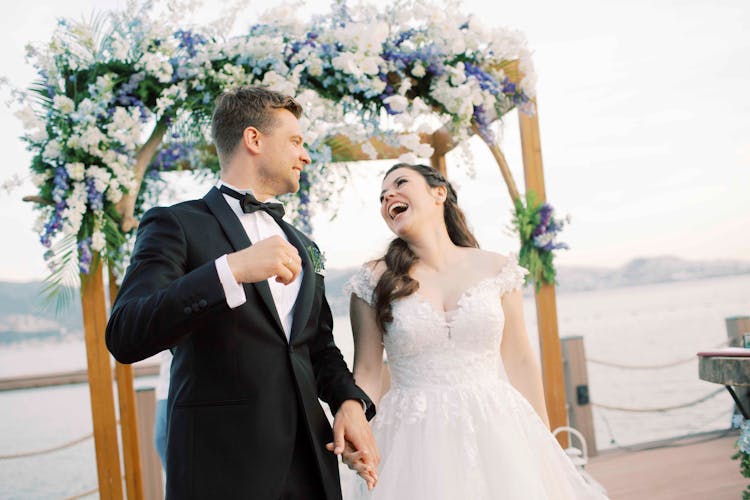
(303, 304)
(237, 237)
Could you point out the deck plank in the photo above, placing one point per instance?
(700, 468)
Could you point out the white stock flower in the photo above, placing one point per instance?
(415, 144)
(113, 194)
(156, 65)
(52, 150)
(409, 158)
(397, 103)
(275, 81)
(38, 180)
(418, 70)
(100, 176)
(63, 104)
(76, 170)
(314, 65)
(90, 138)
(98, 241)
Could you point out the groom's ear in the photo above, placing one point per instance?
(251, 140)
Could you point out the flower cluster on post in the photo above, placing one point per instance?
(390, 72)
(538, 229)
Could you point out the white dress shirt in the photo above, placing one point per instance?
(259, 226)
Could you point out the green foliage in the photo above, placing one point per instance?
(534, 220)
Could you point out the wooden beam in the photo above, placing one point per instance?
(546, 304)
(100, 383)
(126, 205)
(128, 418)
(343, 149)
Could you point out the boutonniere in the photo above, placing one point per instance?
(318, 259)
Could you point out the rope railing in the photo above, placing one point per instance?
(47, 450)
(662, 409)
(670, 364)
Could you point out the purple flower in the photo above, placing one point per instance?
(190, 41)
(483, 121)
(84, 256)
(96, 199)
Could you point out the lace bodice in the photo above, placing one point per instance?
(426, 346)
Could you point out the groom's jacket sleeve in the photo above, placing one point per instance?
(335, 381)
(159, 303)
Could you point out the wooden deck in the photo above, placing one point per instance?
(695, 468)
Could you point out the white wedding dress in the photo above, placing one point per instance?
(452, 427)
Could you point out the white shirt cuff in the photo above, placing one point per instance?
(233, 291)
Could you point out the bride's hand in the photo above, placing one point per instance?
(358, 461)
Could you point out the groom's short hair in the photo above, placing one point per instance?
(243, 107)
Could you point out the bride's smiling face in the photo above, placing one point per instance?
(408, 203)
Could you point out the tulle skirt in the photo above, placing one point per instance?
(477, 442)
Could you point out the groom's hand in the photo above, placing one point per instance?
(272, 256)
(350, 424)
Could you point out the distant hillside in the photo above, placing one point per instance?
(24, 316)
(641, 271)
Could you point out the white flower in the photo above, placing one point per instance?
(345, 62)
(76, 170)
(113, 194)
(100, 176)
(90, 138)
(414, 143)
(314, 65)
(457, 74)
(371, 65)
(120, 48)
(156, 65)
(418, 70)
(275, 81)
(397, 103)
(39, 179)
(52, 150)
(409, 158)
(98, 241)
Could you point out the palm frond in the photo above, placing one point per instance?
(59, 287)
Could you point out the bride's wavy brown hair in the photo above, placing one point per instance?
(395, 281)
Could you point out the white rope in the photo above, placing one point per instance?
(663, 409)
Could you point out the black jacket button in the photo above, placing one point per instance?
(202, 303)
(187, 310)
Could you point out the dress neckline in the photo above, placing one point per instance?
(448, 315)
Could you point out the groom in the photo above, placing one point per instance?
(234, 292)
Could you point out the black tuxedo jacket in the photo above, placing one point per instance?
(238, 387)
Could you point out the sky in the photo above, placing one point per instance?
(644, 114)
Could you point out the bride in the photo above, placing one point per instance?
(465, 414)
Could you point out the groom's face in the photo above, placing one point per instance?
(282, 154)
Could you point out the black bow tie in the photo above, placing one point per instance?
(249, 204)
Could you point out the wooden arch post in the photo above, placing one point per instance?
(546, 304)
(100, 383)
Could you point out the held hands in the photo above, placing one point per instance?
(270, 257)
(353, 440)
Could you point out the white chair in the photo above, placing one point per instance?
(579, 456)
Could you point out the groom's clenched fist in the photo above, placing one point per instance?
(273, 256)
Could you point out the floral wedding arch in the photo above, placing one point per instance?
(129, 95)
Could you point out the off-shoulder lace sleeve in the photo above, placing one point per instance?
(511, 276)
(362, 284)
